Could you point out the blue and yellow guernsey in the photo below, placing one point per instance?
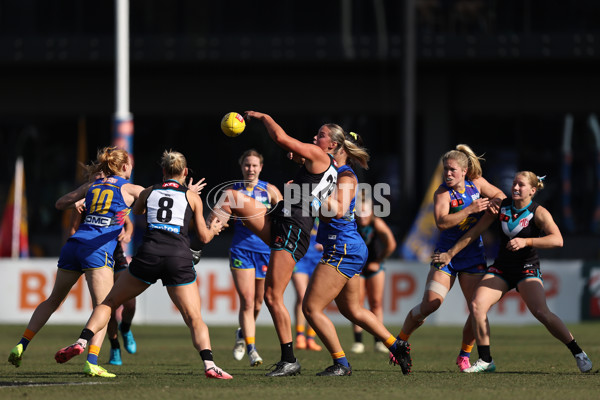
(243, 238)
(341, 230)
(105, 214)
(449, 237)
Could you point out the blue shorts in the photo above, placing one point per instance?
(462, 266)
(348, 259)
(75, 256)
(246, 259)
(308, 263)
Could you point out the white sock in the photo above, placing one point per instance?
(209, 364)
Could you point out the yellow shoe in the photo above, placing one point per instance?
(96, 370)
(312, 345)
(15, 356)
(300, 342)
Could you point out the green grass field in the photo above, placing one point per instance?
(531, 364)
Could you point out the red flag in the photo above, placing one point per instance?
(14, 238)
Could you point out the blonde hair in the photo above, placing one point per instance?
(352, 144)
(173, 163)
(534, 180)
(251, 153)
(467, 159)
(109, 161)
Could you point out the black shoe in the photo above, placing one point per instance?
(283, 368)
(196, 255)
(336, 370)
(401, 356)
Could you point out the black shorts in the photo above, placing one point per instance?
(121, 263)
(173, 271)
(286, 235)
(513, 276)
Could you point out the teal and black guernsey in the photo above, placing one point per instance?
(517, 223)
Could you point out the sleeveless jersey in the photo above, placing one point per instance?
(315, 188)
(374, 244)
(105, 214)
(168, 214)
(449, 237)
(341, 230)
(517, 223)
(243, 238)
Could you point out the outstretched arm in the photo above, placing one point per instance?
(316, 159)
(205, 233)
(69, 199)
(471, 235)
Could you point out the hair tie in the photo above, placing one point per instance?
(354, 135)
(541, 178)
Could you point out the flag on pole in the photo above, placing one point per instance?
(420, 241)
(14, 237)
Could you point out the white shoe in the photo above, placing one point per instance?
(481, 366)
(255, 359)
(380, 347)
(583, 362)
(240, 343)
(358, 348)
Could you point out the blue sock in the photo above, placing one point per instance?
(343, 361)
(393, 347)
(250, 347)
(24, 342)
(92, 358)
(464, 354)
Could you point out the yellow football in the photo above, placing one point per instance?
(233, 124)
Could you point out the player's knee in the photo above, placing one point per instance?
(418, 314)
(271, 299)
(542, 314)
(477, 310)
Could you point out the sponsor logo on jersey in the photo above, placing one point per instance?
(524, 222)
(165, 227)
(97, 220)
(493, 269)
(456, 203)
(331, 237)
(171, 184)
(111, 180)
(504, 217)
(264, 268)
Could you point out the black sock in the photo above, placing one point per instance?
(206, 355)
(484, 353)
(358, 337)
(114, 343)
(574, 347)
(86, 334)
(287, 352)
(125, 326)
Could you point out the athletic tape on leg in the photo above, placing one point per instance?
(438, 288)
